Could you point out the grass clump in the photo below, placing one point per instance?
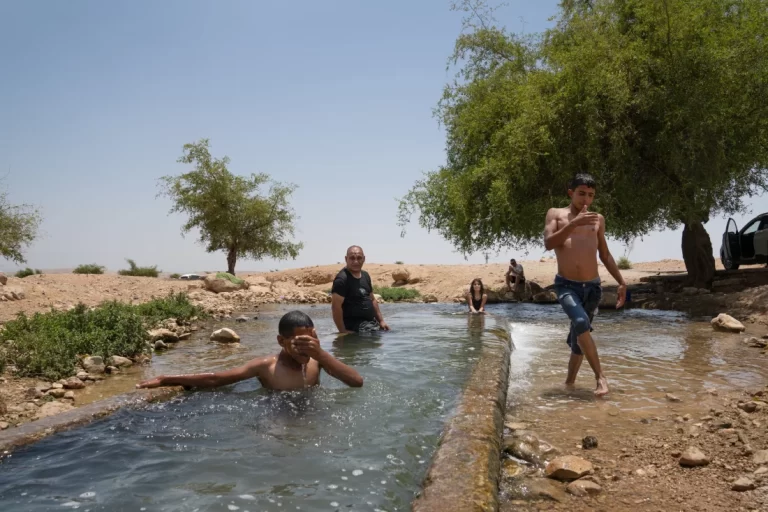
(135, 270)
(229, 277)
(89, 268)
(28, 272)
(175, 275)
(390, 294)
(48, 345)
(624, 263)
(398, 262)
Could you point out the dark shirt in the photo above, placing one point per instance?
(357, 306)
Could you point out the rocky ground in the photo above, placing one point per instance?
(711, 460)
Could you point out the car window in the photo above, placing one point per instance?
(751, 228)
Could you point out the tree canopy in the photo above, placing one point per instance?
(18, 228)
(230, 211)
(663, 101)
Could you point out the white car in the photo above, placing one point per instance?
(191, 277)
(746, 247)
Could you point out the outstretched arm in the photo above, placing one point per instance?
(310, 346)
(482, 303)
(210, 380)
(610, 264)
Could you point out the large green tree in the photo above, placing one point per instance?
(230, 211)
(663, 101)
(18, 228)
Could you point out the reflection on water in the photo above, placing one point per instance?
(245, 448)
(645, 355)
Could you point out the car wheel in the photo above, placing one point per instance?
(728, 263)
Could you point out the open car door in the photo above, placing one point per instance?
(731, 248)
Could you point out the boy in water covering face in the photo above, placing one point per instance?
(300, 346)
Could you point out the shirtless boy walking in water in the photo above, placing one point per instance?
(576, 234)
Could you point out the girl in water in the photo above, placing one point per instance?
(476, 297)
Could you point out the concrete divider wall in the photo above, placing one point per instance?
(465, 470)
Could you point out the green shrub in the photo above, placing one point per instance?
(90, 268)
(48, 345)
(139, 271)
(229, 277)
(390, 294)
(28, 272)
(624, 263)
(175, 276)
(398, 263)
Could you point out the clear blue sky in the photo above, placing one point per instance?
(97, 99)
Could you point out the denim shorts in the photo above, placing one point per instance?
(580, 300)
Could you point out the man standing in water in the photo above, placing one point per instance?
(354, 307)
(576, 234)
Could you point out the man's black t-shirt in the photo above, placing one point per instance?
(357, 306)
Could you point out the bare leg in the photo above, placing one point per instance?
(573, 369)
(587, 346)
(509, 288)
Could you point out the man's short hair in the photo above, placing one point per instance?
(513, 260)
(292, 321)
(354, 247)
(583, 179)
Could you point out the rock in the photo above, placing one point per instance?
(93, 364)
(640, 472)
(583, 488)
(513, 425)
(69, 395)
(743, 484)
(511, 468)
(692, 457)
(3, 424)
(545, 297)
(755, 342)
(761, 471)
(74, 383)
(185, 336)
(12, 293)
(111, 370)
(589, 443)
(225, 335)
(748, 407)
(51, 408)
(568, 467)
(82, 376)
(166, 335)
(241, 319)
(760, 457)
(120, 362)
(56, 393)
(3, 279)
(537, 488)
(223, 282)
(400, 275)
(672, 398)
(690, 290)
(726, 323)
(57, 385)
(160, 345)
(429, 298)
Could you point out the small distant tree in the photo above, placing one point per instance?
(18, 228)
(229, 211)
(89, 268)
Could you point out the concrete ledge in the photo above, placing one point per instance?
(464, 475)
(33, 431)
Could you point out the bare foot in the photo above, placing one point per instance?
(602, 387)
(570, 386)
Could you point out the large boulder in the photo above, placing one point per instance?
(315, 277)
(225, 335)
(12, 293)
(73, 383)
(3, 279)
(93, 364)
(726, 323)
(224, 282)
(120, 362)
(401, 275)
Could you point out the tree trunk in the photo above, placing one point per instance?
(231, 260)
(697, 254)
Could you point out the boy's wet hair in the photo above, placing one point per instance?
(293, 320)
(583, 179)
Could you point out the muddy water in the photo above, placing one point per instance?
(645, 355)
(244, 448)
